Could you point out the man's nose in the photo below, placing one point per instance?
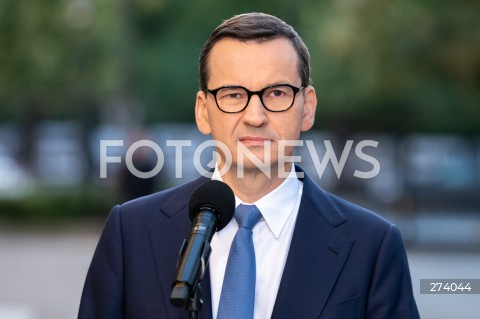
(255, 113)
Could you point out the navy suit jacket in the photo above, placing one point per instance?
(344, 262)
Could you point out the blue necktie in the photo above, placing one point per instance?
(238, 290)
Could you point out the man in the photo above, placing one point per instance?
(316, 255)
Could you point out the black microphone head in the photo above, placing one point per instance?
(214, 195)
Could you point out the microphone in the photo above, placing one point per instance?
(211, 207)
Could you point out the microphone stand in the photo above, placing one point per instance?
(195, 302)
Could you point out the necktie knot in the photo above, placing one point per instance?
(247, 216)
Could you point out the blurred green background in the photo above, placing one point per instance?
(396, 66)
(77, 68)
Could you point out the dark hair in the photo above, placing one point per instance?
(258, 27)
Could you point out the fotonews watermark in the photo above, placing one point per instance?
(242, 153)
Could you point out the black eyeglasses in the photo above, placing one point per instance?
(235, 99)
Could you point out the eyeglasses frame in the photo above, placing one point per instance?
(252, 93)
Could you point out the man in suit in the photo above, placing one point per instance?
(316, 255)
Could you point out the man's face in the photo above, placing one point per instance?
(255, 66)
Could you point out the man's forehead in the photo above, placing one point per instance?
(252, 63)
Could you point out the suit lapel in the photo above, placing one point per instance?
(168, 228)
(317, 254)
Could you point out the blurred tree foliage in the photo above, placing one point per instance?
(396, 66)
(56, 58)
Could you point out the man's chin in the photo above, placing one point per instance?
(248, 168)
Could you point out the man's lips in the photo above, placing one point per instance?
(252, 140)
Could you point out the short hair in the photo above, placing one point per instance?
(258, 27)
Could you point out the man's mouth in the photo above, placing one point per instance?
(253, 140)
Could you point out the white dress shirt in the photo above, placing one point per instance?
(271, 239)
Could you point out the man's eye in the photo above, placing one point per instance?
(277, 94)
(233, 95)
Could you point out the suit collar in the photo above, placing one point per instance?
(177, 197)
(317, 254)
(321, 200)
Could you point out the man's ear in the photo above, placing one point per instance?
(201, 113)
(309, 108)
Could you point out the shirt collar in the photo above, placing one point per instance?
(277, 206)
